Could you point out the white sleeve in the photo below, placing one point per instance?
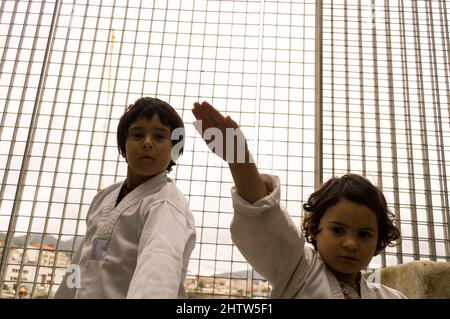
(265, 234)
(167, 239)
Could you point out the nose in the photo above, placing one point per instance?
(148, 142)
(350, 243)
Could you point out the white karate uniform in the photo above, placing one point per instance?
(139, 249)
(275, 247)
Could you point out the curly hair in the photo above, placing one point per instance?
(357, 189)
(147, 107)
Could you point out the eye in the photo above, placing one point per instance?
(136, 135)
(159, 136)
(365, 235)
(337, 230)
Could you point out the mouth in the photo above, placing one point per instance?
(348, 259)
(147, 158)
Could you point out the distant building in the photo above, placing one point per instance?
(27, 276)
(240, 284)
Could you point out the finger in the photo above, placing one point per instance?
(195, 110)
(199, 112)
(203, 119)
(230, 122)
(213, 113)
(208, 114)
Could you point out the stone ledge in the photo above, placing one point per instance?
(418, 279)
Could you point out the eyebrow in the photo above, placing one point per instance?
(159, 128)
(345, 225)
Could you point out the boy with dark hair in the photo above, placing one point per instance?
(140, 232)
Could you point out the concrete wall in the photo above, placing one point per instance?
(419, 279)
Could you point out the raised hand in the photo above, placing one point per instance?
(221, 134)
(225, 139)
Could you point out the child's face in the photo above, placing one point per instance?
(347, 238)
(148, 149)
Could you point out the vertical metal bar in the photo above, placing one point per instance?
(377, 112)
(318, 134)
(161, 50)
(109, 119)
(409, 131)
(333, 79)
(445, 38)
(347, 90)
(424, 131)
(109, 48)
(214, 279)
(146, 56)
(257, 120)
(437, 122)
(116, 172)
(200, 95)
(393, 131)
(172, 79)
(361, 90)
(185, 94)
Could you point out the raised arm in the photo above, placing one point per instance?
(231, 146)
(263, 232)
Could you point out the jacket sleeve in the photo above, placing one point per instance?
(166, 243)
(266, 235)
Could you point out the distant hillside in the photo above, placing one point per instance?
(241, 274)
(48, 239)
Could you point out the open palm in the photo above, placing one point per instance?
(220, 133)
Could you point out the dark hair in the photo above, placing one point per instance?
(147, 107)
(357, 189)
